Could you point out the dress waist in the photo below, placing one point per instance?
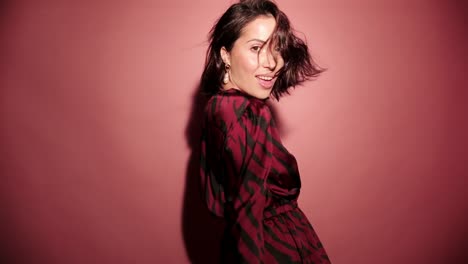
(279, 209)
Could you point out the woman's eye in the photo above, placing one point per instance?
(255, 48)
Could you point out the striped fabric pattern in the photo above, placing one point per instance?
(253, 182)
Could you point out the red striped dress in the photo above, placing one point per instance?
(252, 181)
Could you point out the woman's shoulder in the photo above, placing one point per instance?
(231, 105)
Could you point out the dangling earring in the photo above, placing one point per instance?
(226, 74)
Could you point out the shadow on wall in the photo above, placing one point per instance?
(8, 240)
(202, 231)
(5, 7)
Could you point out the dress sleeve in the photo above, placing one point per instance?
(246, 160)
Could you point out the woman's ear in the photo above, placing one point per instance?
(225, 56)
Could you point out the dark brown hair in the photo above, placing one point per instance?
(298, 64)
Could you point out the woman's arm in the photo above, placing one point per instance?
(246, 161)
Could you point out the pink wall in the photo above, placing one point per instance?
(97, 120)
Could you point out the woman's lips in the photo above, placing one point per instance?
(267, 84)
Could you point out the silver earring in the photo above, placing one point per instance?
(226, 74)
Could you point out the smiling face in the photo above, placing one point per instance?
(253, 62)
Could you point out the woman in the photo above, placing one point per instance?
(248, 177)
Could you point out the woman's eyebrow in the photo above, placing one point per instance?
(259, 40)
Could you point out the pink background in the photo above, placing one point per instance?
(98, 119)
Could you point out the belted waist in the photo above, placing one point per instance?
(279, 209)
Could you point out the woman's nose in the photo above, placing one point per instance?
(267, 59)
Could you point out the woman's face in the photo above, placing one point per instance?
(253, 64)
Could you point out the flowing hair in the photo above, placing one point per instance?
(298, 64)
